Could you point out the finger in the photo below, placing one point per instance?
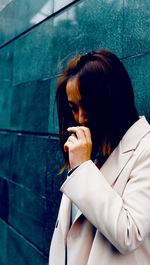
(78, 131)
(87, 133)
(67, 146)
(72, 138)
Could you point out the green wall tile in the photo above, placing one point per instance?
(19, 16)
(54, 182)
(22, 252)
(30, 106)
(29, 162)
(31, 52)
(136, 35)
(27, 214)
(5, 104)
(55, 162)
(4, 199)
(58, 4)
(3, 242)
(6, 70)
(6, 146)
(6, 63)
(138, 69)
(79, 28)
(53, 117)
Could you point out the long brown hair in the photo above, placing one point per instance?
(107, 96)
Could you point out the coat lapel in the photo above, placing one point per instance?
(58, 245)
(64, 215)
(115, 164)
(124, 151)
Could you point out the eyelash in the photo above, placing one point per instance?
(73, 108)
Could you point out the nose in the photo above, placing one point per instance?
(82, 116)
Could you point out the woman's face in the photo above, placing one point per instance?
(75, 102)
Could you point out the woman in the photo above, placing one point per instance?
(104, 216)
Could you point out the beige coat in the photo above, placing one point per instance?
(112, 225)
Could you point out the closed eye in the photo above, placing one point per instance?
(73, 106)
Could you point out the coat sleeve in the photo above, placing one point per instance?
(124, 221)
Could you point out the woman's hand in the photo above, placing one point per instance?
(78, 145)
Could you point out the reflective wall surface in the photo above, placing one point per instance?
(17, 17)
(37, 39)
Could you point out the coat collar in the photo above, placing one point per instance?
(123, 152)
(134, 134)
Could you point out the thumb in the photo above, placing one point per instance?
(66, 148)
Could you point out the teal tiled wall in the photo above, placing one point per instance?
(36, 41)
